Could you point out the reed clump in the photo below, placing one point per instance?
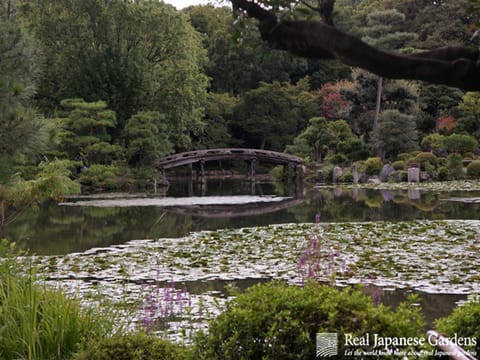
(38, 322)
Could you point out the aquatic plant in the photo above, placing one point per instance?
(446, 186)
(321, 262)
(375, 292)
(38, 322)
(389, 254)
(161, 306)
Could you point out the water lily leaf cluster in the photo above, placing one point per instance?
(431, 256)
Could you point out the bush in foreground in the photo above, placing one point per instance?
(136, 346)
(463, 322)
(277, 321)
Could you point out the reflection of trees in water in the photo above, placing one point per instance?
(376, 205)
(52, 229)
(64, 229)
(459, 210)
(170, 225)
(331, 208)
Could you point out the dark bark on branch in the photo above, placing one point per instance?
(452, 66)
(326, 10)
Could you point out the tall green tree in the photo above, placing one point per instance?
(469, 120)
(22, 130)
(327, 138)
(292, 26)
(265, 117)
(239, 62)
(396, 133)
(383, 31)
(84, 134)
(436, 101)
(219, 112)
(445, 24)
(314, 140)
(146, 139)
(136, 56)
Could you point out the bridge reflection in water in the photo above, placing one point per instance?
(229, 211)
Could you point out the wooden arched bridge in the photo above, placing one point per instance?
(252, 156)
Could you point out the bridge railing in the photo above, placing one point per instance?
(227, 153)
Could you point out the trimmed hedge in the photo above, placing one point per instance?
(373, 166)
(473, 169)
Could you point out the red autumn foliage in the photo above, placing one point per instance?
(446, 124)
(334, 106)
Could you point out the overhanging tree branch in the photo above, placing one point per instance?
(452, 66)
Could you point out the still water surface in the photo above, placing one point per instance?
(53, 229)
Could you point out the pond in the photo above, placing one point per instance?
(399, 239)
(52, 229)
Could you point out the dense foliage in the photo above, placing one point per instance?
(136, 346)
(277, 321)
(116, 85)
(463, 322)
(92, 92)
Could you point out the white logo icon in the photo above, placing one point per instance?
(327, 344)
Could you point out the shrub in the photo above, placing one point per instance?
(399, 165)
(347, 176)
(464, 322)
(136, 346)
(425, 157)
(430, 170)
(460, 143)
(404, 156)
(443, 173)
(100, 175)
(337, 158)
(277, 172)
(473, 169)
(398, 176)
(38, 322)
(277, 321)
(325, 172)
(454, 166)
(354, 149)
(373, 165)
(433, 142)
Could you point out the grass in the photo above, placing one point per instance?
(39, 322)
